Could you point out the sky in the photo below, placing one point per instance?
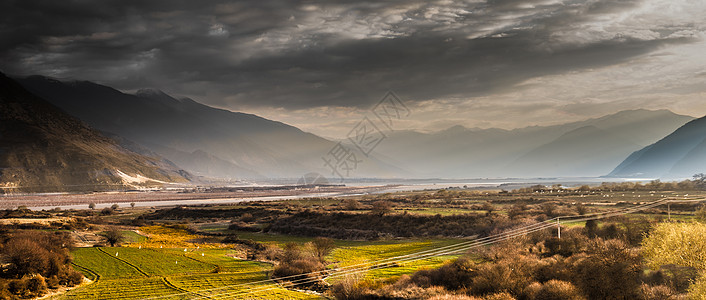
(323, 65)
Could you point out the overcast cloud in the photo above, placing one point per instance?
(502, 63)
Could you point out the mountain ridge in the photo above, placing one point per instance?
(45, 149)
(677, 155)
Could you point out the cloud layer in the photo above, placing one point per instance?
(310, 55)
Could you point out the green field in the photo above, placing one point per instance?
(171, 274)
(211, 272)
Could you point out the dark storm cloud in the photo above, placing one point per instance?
(300, 54)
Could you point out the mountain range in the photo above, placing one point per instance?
(43, 149)
(680, 154)
(586, 148)
(213, 142)
(204, 140)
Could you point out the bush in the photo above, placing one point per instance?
(659, 292)
(510, 275)
(381, 208)
(107, 211)
(114, 236)
(682, 244)
(558, 290)
(294, 261)
(611, 272)
(247, 218)
(455, 275)
(321, 247)
(698, 289)
(500, 296)
(349, 288)
(351, 204)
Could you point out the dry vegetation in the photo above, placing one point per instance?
(304, 239)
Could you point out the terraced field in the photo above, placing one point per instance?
(149, 270)
(168, 274)
(367, 255)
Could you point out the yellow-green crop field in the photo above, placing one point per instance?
(156, 268)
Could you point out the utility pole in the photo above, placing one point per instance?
(669, 212)
(558, 228)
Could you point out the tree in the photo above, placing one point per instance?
(700, 180)
(106, 211)
(351, 204)
(132, 204)
(381, 207)
(701, 214)
(322, 247)
(591, 228)
(488, 208)
(113, 236)
(549, 209)
(115, 206)
(682, 244)
(611, 272)
(92, 205)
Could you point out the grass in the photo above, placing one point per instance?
(371, 253)
(144, 270)
(148, 272)
(133, 237)
(169, 237)
(103, 264)
(438, 211)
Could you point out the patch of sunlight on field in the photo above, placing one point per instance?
(169, 237)
(369, 255)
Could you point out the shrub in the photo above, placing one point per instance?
(612, 271)
(349, 288)
(247, 218)
(455, 275)
(34, 261)
(294, 261)
(322, 246)
(36, 285)
(659, 292)
(558, 290)
(698, 289)
(381, 207)
(500, 296)
(113, 236)
(510, 275)
(591, 228)
(351, 204)
(681, 244)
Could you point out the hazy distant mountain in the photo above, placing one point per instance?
(586, 151)
(680, 154)
(221, 143)
(200, 138)
(43, 149)
(587, 148)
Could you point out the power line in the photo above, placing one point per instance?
(497, 238)
(441, 251)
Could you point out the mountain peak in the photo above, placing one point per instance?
(149, 92)
(42, 148)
